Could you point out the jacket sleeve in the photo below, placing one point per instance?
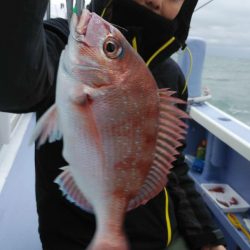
(25, 75)
(197, 225)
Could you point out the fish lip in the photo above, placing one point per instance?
(95, 85)
(80, 26)
(86, 67)
(83, 21)
(87, 64)
(80, 66)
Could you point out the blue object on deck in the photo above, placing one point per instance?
(198, 165)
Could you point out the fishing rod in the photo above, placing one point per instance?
(203, 5)
(79, 5)
(48, 11)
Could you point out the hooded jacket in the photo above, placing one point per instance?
(34, 59)
(145, 30)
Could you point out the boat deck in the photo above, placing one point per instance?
(18, 217)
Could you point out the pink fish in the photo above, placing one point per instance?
(119, 131)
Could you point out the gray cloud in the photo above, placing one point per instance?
(225, 25)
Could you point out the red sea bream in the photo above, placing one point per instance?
(119, 131)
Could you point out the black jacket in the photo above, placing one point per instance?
(29, 56)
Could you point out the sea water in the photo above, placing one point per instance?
(228, 80)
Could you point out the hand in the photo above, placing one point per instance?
(220, 247)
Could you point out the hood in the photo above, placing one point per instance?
(154, 37)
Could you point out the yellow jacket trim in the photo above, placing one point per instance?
(168, 224)
(134, 43)
(190, 69)
(170, 41)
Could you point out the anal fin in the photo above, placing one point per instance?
(71, 191)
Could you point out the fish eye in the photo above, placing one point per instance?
(112, 48)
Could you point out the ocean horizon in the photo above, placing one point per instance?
(228, 80)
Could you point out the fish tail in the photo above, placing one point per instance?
(109, 242)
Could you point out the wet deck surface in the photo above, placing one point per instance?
(18, 218)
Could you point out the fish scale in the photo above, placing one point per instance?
(117, 137)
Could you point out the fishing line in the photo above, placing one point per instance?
(48, 12)
(120, 27)
(69, 5)
(203, 5)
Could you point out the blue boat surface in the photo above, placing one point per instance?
(227, 153)
(227, 161)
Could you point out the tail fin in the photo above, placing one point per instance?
(109, 243)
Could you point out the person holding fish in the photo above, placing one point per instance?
(109, 169)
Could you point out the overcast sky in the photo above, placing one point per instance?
(225, 25)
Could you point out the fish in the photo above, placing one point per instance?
(120, 132)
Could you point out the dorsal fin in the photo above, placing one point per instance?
(170, 131)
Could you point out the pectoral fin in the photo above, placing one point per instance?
(47, 127)
(81, 93)
(77, 94)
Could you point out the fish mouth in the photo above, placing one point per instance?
(83, 21)
(79, 25)
(78, 30)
